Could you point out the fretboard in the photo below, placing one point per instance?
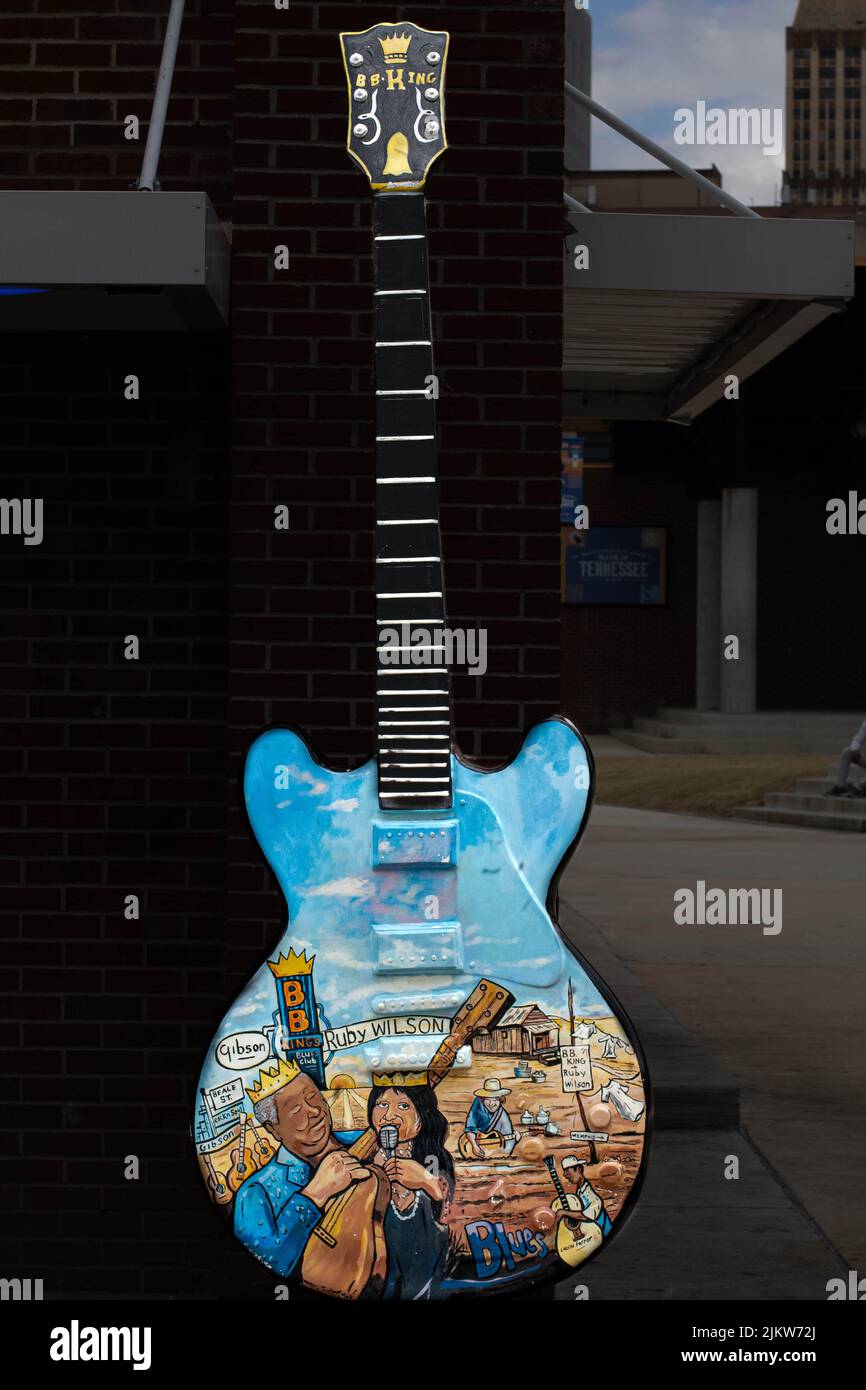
(550, 1164)
(412, 686)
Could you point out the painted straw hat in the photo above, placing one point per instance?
(492, 1087)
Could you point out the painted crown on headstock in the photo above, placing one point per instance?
(396, 78)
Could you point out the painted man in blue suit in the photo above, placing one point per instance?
(277, 1207)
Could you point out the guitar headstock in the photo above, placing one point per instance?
(396, 79)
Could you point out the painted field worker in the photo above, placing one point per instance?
(488, 1116)
(277, 1208)
(852, 754)
(593, 1206)
(403, 1111)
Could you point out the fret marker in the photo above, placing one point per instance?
(425, 781)
(411, 709)
(422, 752)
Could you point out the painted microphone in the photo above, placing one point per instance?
(388, 1136)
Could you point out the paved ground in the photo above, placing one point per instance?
(785, 1015)
(696, 1235)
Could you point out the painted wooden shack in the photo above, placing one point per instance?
(524, 1031)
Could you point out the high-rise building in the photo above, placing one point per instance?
(825, 151)
(578, 71)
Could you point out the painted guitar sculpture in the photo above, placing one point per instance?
(422, 1038)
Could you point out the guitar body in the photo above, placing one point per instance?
(514, 829)
(576, 1240)
(422, 1047)
(488, 1144)
(218, 1188)
(240, 1170)
(377, 955)
(347, 1256)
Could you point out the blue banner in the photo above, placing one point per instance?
(571, 493)
(616, 565)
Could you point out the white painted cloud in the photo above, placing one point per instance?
(342, 888)
(666, 54)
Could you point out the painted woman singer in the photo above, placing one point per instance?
(412, 1130)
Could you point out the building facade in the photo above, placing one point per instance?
(825, 75)
(578, 71)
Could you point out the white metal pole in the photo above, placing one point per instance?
(161, 97)
(664, 156)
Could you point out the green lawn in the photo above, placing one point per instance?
(702, 784)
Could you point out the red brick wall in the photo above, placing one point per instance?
(70, 73)
(115, 772)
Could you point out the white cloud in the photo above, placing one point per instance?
(342, 888)
(667, 54)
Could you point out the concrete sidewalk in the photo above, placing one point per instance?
(725, 1009)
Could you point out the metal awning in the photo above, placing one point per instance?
(112, 262)
(669, 306)
(131, 261)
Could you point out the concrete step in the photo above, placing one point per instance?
(722, 732)
(798, 801)
(815, 786)
(696, 742)
(662, 728)
(811, 820)
(649, 743)
(749, 728)
(848, 723)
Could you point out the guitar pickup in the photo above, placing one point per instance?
(428, 949)
(431, 846)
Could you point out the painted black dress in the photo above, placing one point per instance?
(417, 1250)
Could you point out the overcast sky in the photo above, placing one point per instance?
(652, 56)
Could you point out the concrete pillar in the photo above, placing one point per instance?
(740, 597)
(708, 673)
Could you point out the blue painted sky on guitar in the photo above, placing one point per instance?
(652, 56)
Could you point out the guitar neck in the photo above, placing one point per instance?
(550, 1164)
(483, 1009)
(413, 689)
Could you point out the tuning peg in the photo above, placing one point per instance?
(356, 60)
(434, 58)
(432, 94)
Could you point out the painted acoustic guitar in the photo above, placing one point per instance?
(421, 999)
